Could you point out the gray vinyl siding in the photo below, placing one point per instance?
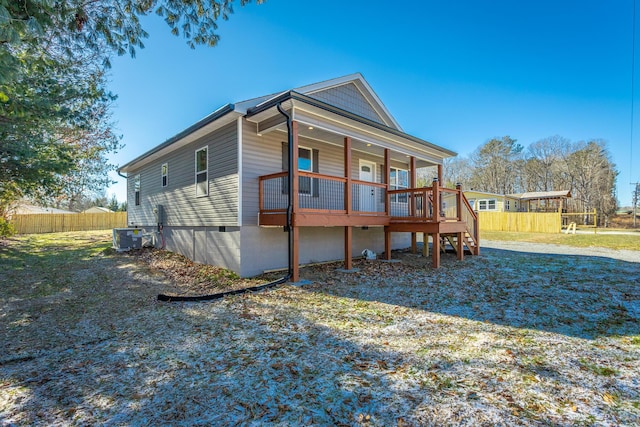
(263, 156)
(181, 206)
(349, 98)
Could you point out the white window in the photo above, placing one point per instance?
(305, 163)
(165, 174)
(399, 180)
(136, 189)
(487, 205)
(472, 203)
(202, 168)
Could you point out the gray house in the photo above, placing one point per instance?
(223, 193)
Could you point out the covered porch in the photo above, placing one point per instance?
(371, 181)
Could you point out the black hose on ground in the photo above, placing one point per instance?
(212, 297)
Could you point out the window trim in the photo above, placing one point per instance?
(164, 172)
(311, 181)
(486, 203)
(205, 171)
(136, 189)
(395, 197)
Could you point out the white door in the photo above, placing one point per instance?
(367, 193)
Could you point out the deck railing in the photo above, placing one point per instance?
(317, 192)
(412, 204)
(368, 197)
(320, 193)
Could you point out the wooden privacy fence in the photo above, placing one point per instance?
(528, 222)
(53, 223)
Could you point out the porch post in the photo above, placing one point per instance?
(459, 201)
(348, 231)
(347, 174)
(435, 196)
(413, 184)
(293, 166)
(387, 175)
(440, 174)
(435, 251)
(460, 242)
(295, 185)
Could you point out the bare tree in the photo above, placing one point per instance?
(544, 167)
(496, 166)
(457, 170)
(593, 176)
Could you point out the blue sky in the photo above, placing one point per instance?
(455, 73)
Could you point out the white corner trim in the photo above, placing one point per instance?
(240, 200)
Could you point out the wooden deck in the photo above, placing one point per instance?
(328, 201)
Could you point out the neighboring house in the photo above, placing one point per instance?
(24, 209)
(543, 201)
(220, 189)
(97, 209)
(539, 201)
(482, 201)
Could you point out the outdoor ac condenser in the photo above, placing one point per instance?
(125, 239)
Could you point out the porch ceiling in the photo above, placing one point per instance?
(318, 123)
(333, 138)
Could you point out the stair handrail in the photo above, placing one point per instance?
(468, 212)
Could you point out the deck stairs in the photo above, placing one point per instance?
(452, 240)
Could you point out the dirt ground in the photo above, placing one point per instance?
(525, 334)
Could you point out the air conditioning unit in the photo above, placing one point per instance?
(125, 239)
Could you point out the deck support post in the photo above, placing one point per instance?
(425, 245)
(295, 266)
(387, 243)
(348, 257)
(435, 251)
(460, 248)
(413, 184)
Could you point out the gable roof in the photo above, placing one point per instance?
(317, 90)
(97, 209)
(374, 115)
(357, 81)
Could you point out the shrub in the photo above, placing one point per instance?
(6, 228)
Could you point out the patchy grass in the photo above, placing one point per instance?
(508, 338)
(611, 241)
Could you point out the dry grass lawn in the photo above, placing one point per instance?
(507, 338)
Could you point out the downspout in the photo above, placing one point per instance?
(290, 180)
(170, 298)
